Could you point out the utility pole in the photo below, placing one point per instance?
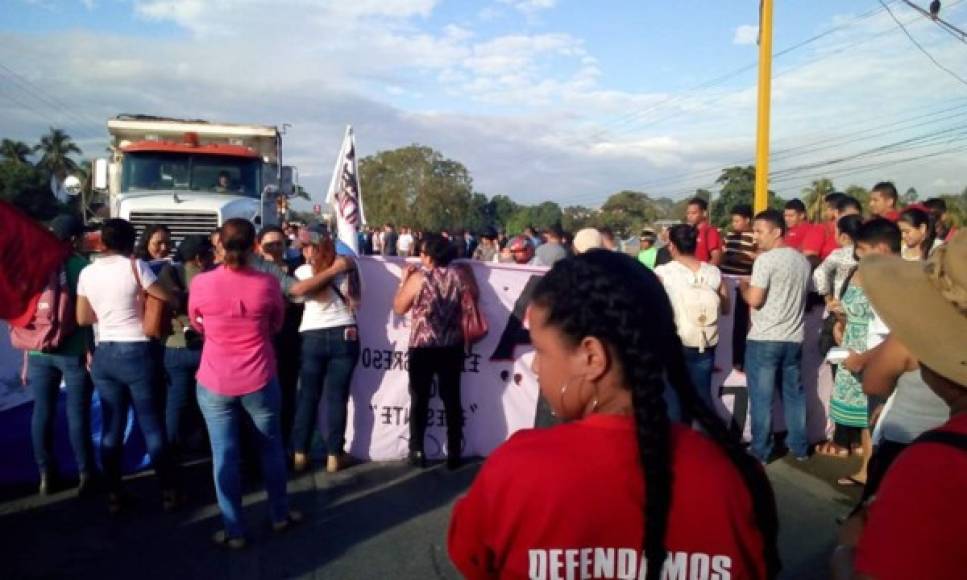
(764, 101)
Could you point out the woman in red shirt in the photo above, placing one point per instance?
(572, 501)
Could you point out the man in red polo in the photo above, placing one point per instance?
(802, 235)
(884, 200)
(830, 215)
(709, 248)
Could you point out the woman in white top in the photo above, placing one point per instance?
(109, 292)
(698, 295)
(330, 347)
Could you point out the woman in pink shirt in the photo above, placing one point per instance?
(239, 309)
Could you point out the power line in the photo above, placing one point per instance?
(922, 49)
(711, 172)
(943, 24)
(627, 121)
(37, 93)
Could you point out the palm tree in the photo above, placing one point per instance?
(815, 195)
(56, 147)
(15, 152)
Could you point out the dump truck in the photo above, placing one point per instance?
(192, 175)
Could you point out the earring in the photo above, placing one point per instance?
(563, 390)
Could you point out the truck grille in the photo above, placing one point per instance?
(181, 224)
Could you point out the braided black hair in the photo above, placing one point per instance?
(614, 298)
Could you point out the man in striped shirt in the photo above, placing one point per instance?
(740, 252)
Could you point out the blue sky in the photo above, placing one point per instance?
(541, 99)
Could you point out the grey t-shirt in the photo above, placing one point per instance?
(784, 274)
(915, 410)
(549, 254)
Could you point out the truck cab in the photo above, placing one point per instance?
(193, 175)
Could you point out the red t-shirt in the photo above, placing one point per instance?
(917, 526)
(892, 215)
(805, 237)
(567, 502)
(829, 239)
(708, 240)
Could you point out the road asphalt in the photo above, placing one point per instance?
(376, 520)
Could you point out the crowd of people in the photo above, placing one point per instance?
(247, 331)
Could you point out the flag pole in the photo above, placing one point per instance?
(763, 110)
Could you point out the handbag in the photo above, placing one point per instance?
(826, 339)
(155, 317)
(472, 321)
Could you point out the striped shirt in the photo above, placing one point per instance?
(739, 254)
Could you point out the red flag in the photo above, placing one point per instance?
(28, 255)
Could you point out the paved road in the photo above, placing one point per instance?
(370, 521)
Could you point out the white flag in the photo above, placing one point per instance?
(344, 195)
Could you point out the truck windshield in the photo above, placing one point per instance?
(179, 171)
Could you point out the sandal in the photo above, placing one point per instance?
(300, 462)
(850, 482)
(830, 449)
(222, 538)
(291, 519)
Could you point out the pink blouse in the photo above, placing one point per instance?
(237, 311)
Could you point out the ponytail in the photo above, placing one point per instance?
(612, 297)
(238, 240)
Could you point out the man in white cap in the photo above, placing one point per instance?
(916, 525)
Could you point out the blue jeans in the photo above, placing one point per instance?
(223, 415)
(699, 365)
(328, 361)
(44, 374)
(764, 362)
(181, 364)
(124, 373)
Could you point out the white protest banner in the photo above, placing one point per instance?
(498, 388)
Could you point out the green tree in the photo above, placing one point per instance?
(909, 197)
(417, 186)
(576, 217)
(737, 187)
(860, 193)
(28, 188)
(55, 148)
(704, 194)
(481, 214)
(627, 212)
(539, 217)
(814, 195)
(15, 152)
(503, 208)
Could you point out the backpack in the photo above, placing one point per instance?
(697, 317)
(53, 321)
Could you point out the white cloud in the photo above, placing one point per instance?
(530, 7)
(531, 115)
(746, 34)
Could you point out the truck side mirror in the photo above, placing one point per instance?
(287, 181)
(100, 175)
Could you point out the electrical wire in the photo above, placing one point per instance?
(922, 49)
(943, 24)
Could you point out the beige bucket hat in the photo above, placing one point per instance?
(925, 304)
